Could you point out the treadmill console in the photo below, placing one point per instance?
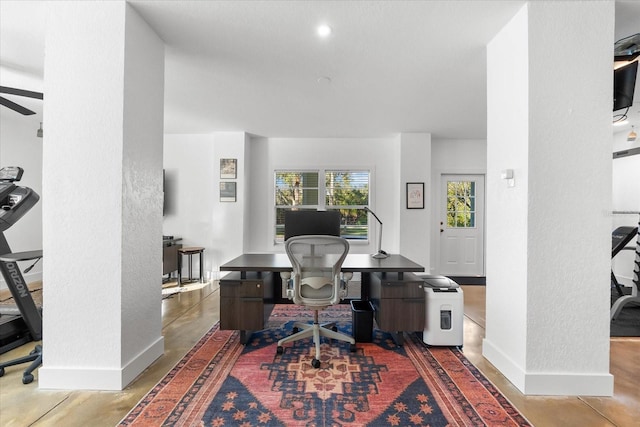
(14, 201)
(11, 173)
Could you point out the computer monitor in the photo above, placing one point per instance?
(307, 222)
(624, 86)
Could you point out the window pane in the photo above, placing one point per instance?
(347, 188)
(296, 188)
(348, 191)
(461, 203)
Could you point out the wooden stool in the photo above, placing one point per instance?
(189, 251)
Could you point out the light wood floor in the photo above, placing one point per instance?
(187, 316)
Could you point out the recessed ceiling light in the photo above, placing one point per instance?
(324, 80)
(324, 30)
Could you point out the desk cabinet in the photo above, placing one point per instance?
(399, 301)
(242, 304)
(170, 258)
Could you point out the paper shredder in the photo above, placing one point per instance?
(444, 304)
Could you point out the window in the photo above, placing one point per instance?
(461, 204)
(344, 190)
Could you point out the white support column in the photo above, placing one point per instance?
(549, 234)
(102, 196)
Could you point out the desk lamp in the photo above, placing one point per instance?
(380, 254)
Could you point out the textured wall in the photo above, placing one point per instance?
(549, 236)
(142, 196)
(93, 330)
(506, 207)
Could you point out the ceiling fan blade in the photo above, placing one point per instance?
(21, 92)
(15, 107)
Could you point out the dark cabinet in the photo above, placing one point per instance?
(399, 301)
(242, 300)
(170, 258)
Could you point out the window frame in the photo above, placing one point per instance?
(322, 194)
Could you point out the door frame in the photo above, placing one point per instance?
(439, 200)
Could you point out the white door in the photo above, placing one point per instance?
(462, 225)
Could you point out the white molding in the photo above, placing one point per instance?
(548, 383)
(111, 379)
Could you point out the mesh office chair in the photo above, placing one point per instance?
(316, 283)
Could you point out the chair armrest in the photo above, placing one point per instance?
(344, 284)
(287, 285)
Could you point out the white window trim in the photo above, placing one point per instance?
(321, 192)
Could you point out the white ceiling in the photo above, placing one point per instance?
(259, 67)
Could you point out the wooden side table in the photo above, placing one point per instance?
(190, 251)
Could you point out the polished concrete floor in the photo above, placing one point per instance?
(187, 316)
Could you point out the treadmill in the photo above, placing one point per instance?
(619, 239)
(15, 202)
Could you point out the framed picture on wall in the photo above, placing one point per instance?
(228, 168)
(227, 191)
(415, 195)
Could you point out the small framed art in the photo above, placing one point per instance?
(228, 168)
(415, 195)
(227, 191)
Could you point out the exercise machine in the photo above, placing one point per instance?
(619, 304)
(16, 201)
(619, 239)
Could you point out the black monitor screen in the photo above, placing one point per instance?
(300, 223)
(624, 85)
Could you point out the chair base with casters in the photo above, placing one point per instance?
(316, 283)
(35, 357)
(316, 330)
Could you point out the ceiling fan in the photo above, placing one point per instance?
(19, 92)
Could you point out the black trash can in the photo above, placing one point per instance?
(362, 320)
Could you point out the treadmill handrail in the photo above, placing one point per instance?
(21, 256)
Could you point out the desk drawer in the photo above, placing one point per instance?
(245, 314)
(390, 286)
(241, 288)
(400, 314)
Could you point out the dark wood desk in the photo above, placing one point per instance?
(257, 281)
(362, 263)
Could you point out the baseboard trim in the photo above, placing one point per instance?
(548, 384)
(109, 379)
(141, 362)
(469, 280)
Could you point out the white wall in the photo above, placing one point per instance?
(506, 208)
(415, 224)
(190, 189)
(380, 156)
(102, 203)
(539, 118)
(194, 211)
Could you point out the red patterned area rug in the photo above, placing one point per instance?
(221, 382)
